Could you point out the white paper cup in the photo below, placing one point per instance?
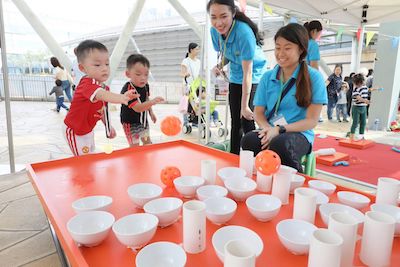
(388, 191)
(377, 239)
(209, 170)
(194, 226)
(325, 249)
(305, 204)
(239, 254)
(246, 162)
(346, 226)
(281, 184)
(264, 182)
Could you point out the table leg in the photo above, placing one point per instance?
(60, 251)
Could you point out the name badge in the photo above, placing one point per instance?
(278, 119)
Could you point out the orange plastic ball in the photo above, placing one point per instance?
(171, 125)
(168, 175)
(268, 162)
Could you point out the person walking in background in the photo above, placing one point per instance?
(360, 102)
(341, 105)
(62, 75)
(237, 40)
(190, 66)
(314, 29)
(369, 83)
(349, 92)
(333, 85)
(58, 90)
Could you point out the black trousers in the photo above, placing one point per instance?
(291, 147)
(239, 125)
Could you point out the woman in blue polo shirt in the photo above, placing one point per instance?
(238, 42)
(314, 29)
(288, 100)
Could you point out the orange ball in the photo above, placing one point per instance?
(268, 162)
(171, 125)
(168, 175)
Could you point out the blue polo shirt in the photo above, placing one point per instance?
(269, 89)
(241, 45)
(312, 51)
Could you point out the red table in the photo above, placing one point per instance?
(58, 183)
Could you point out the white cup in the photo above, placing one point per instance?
(264, 182)
(377, 239)
(194, 226)
(246, 162)
(305, 204)
(281, 183)
(238, 254)
(346, 226)
(388, 191)
(325, 249)
(209, 170)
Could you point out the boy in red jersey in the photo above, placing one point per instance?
(90, 102)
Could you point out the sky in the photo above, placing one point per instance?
(69, 19)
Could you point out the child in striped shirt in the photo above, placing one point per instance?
(359, 109)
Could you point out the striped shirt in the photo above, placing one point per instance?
(360, 91)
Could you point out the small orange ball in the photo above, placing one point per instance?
(171, 125)
(168, 175)
(267, 162)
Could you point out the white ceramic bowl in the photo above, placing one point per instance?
(135, 230)
(165, 254)
(219, 210)
(142, 193)
(297, 181)
(230, 172)
(92, 203)
(353, 199)
(240, 187)
(187, 185)
(234, 232)
(207, 191)
(392, 211)
(263, 207)
(90, 228)
(321, 197)
(167, 209)
(326, 209)
(325, 187)
(295, 235)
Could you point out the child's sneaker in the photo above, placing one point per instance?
(345, 120)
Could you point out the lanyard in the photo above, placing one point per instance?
(226, 40)
(282, 83)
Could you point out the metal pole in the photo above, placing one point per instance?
(206, 48)
(261, 17)
(138, 51)
(6, 90)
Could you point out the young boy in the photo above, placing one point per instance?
(58, 90)
(90, 102)
(341, 105)
(213, 112)
(134, 113)
(360, 102)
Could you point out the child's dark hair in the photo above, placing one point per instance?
(297, 34)
(58, 82)
(313, 25)
(85, 47)
(239, 16)
(191, 47)
(137, 58)
(55, 63)
(358, 79)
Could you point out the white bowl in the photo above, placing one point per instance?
(230, 172)
(187, 185)
(325, 187)
(326, 209)
(90, 228)
(295, 235)
(392, 211)
(142, 193)
(321, 197)
(240, 187)
(92, 203)
(353, 199)
(165, 254)
(135, 230)
(207, 191)
(219, 210)
(234, 232)
(263, 207)
(167, 209)
(297, 181)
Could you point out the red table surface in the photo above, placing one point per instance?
(58, 183)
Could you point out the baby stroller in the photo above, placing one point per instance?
(193, 111)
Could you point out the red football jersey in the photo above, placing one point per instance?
(85, 111)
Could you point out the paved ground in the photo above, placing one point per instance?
(24, 234)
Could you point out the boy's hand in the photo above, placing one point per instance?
(129, 95)
(157, 100)
(153, 117)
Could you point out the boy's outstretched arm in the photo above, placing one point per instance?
(140, 107)
(111, 97)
